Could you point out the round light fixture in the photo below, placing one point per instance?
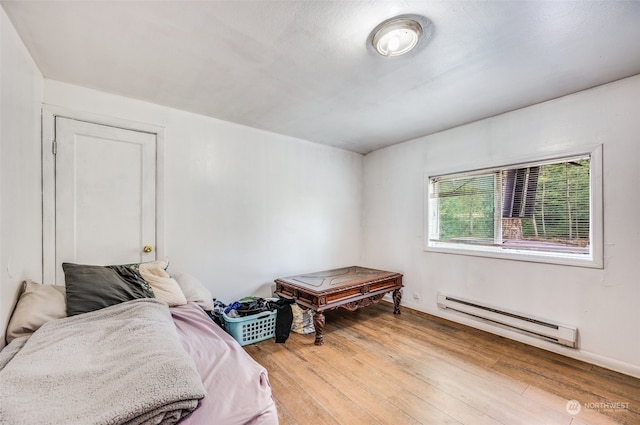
(396, 36)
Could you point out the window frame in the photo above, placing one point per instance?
(596, 240)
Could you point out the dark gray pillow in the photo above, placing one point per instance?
(90, 288)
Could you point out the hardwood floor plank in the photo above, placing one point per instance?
(380, 368)
(570, 387)
(387, 384)
(423, 411)
(602, 388)
(422, 345)
(284, 416)
(628, 383)
(306, 409)
(503, 405)
(446, 370)
(559, 404)
(364, 386)
(324, 391)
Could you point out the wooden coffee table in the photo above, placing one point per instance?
(350, 288)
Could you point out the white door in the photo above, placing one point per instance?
(105, 195)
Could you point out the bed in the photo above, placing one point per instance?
(126, 345)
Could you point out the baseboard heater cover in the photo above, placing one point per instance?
(553, 332)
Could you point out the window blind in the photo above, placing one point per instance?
(466, 208)
(538, 206)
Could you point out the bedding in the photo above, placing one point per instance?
(165, 288)
(37, 304)
(90, 288)
(124, 357)
(238, 389)
(122, 364)
(194, 290)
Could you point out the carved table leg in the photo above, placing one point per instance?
(318, 322)
(397, 296)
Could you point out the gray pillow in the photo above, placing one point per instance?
(90, 288)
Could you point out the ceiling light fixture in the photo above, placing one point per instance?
(396, 36)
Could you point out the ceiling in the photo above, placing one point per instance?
(303, 68)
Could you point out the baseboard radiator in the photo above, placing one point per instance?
(560, 334)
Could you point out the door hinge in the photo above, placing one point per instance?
(54, 147)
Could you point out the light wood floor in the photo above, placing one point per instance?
(378, 368)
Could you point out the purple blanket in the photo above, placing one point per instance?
(238, 390)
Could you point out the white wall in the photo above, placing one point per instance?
(20, 202)
(243, 206)
(603, 304)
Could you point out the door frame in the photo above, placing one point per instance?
(49, 114)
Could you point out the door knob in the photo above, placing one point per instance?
(147, 248)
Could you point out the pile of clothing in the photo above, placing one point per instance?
(248, 307)
(302, 320)
(253, 305)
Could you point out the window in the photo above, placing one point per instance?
(547, 211)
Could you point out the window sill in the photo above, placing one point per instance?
(512, 253)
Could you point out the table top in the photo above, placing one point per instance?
(336, 279)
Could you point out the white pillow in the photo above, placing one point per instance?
(165, 288)
(37, 304)
(194, 290)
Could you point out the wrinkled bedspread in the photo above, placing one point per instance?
(238, 389)
(122, 364)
